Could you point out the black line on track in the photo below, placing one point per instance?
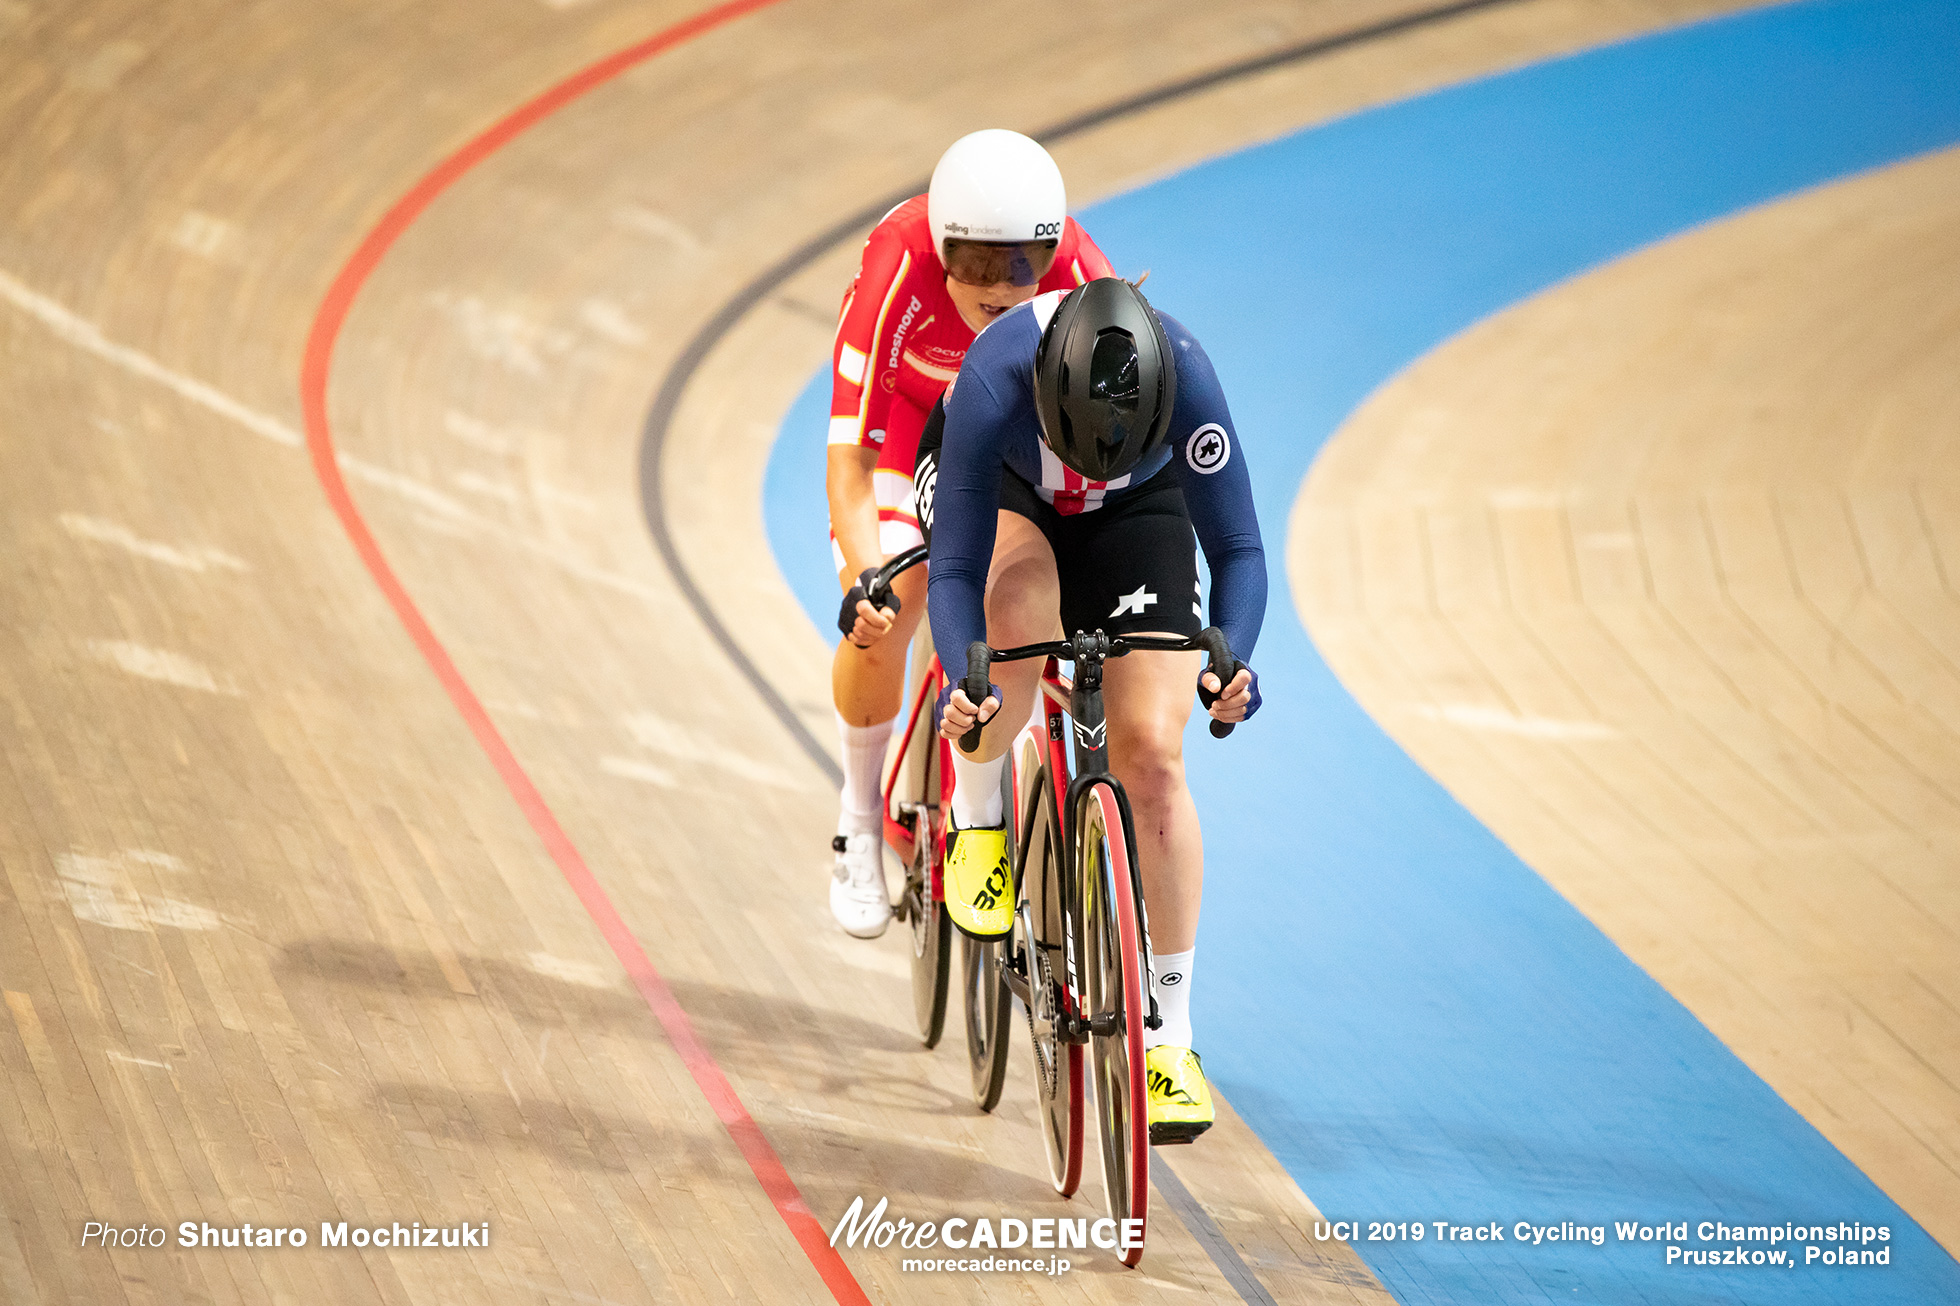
(1209, 1235)
(666, 402)
(660, 417)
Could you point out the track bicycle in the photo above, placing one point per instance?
(1073, 843)
(1078, 955)
(917, 793)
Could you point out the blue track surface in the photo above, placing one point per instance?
(1414, 1022)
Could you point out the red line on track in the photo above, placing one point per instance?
(314, 372)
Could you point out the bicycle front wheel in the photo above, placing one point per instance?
(932, 946)
(1111, 953)
(989, 1002)
(932, 929)
(1041, 928)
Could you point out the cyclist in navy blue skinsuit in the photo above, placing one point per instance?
(1084, 439)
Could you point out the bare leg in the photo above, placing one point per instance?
(868, 684)
(1023, 600)
(1147, 700)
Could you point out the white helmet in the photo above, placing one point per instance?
(995, 186)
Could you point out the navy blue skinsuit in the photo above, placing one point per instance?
(991, 422)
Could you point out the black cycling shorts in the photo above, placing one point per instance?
(1128, 566)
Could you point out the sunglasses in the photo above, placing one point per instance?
(993, 263)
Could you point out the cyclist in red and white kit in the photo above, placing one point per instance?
(992, 232)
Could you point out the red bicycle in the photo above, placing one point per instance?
(1078, 956)
(917, 795)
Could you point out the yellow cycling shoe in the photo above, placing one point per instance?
(979, 881)
(1180, 1100)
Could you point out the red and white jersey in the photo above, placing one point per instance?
(900, 339)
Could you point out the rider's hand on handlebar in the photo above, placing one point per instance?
(861, 622)
(956, 714)
(872, 625)
(1238, 700)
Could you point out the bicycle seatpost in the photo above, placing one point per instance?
(979, 661)
(1223, 665)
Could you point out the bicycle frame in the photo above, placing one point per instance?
(916, 791)
(1082, 930)
(898, 833)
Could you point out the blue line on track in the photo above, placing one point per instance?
(1415, 1023)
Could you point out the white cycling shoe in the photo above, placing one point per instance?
(857, 886)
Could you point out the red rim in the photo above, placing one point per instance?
(1127, 935)
(1073, 1179)
(940, 820)
(1058, 766)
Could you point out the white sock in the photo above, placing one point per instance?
(864, 770)
(976, 791)
(1170, 984)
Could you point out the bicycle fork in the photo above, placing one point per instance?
(1092, 768)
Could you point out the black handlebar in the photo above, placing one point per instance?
(1223, 665)
(880, 588)
(875, 587)
(979, 662)
(1097, 646)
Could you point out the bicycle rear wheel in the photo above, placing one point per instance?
(1042, 932)
(1112, 964)
(989, 1002)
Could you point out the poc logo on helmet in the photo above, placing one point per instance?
(1047, 229)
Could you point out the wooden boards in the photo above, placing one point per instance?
(1655, 573)
(277, 946)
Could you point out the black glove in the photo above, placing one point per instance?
(848, 614)
(1206, 697)
(946, 696)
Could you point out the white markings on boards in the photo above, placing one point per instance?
(104, 891)
(442, 510)
(501, 334)
(156, 664)
(85, 335)
(189, 557)
(628, 768)
(680, 743)
(609, 320)
(204, 235)
(581, 973)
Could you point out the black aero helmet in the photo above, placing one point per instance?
(1104, 380)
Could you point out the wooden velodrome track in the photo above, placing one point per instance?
(279, 946)
(1656, 571)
